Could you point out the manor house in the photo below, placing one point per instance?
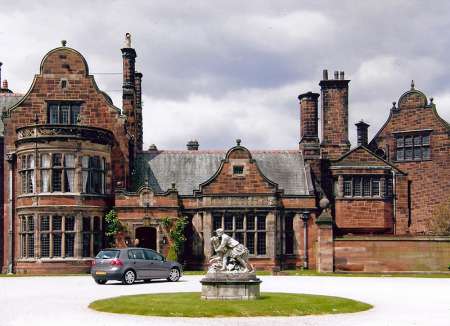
(71, 156)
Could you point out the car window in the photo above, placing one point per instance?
(136, 254)
(151, 255)
(108, 254)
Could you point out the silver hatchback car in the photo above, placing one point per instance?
(131, 264)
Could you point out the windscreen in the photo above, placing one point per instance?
(108, 254)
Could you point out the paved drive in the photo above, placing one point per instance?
(63, 301)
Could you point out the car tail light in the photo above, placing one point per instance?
(116, 262)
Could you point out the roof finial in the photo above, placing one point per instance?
(238, 142)
(63, 42)
(128, 40)
(412, 84)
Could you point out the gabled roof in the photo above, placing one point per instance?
(362, 157)
(189, 169)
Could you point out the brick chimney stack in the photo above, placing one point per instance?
(128, 87)
(334, 94)
(309, 135)
(139, 132)
(362, 133)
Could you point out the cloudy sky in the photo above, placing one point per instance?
(220, 70)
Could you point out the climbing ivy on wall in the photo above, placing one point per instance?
(174, 228)
(112, 227)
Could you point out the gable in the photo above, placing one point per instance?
(239, 174)
(361, 157)
(191, 169)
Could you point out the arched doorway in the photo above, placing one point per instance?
(147, 237)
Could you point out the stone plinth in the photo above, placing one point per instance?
(230, 286)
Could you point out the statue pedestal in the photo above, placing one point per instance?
(230, 286)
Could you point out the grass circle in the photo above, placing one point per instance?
(189, 304)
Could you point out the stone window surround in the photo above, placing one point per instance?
(73, 107)
(27, 236)
(78, 243)
(61, 169)
(244, 231)
(384, 185)
(414, 146)
(27, 174)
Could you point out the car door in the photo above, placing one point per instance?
(157, 266)
(139, 263)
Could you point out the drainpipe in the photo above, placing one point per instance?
(305, 218)
(394, 202)
(10, 157)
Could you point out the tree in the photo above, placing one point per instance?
(439, 223)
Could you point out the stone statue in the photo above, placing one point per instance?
(231, 256)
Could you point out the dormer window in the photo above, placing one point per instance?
(65, 113)
(238, 169)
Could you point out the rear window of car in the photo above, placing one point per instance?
(108, 254)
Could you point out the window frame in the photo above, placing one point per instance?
(27, 174)
(27, 236)
(56, 110)
(95, 174)
(60, 170)
(407, 145)
(362, 186)
(250, 233)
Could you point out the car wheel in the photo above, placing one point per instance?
(129, 277)
(174, 275)
(100, 282)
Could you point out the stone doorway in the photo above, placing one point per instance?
(147, 237)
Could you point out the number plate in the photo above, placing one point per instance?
(100, 273)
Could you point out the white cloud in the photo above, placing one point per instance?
(219, 71)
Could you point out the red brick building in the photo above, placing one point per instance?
(71, 156)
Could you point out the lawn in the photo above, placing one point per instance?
(189, 304)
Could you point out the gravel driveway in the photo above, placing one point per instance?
(63, 301)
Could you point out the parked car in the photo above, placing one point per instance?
(131, 264)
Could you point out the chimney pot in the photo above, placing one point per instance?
(336, 74)
(152, 147)
(341, 75)
(192, 145)
(325, 74)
